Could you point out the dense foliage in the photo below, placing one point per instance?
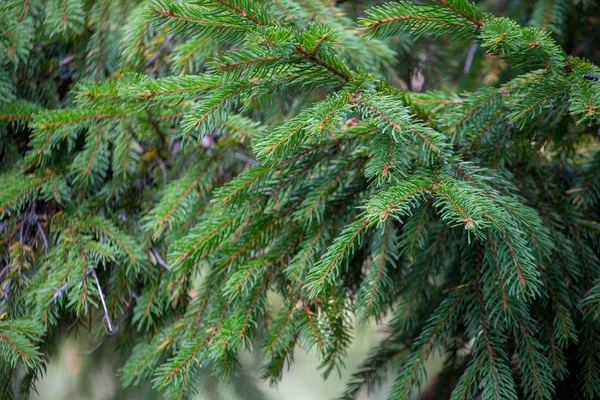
(196, 179)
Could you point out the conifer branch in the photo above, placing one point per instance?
(19, 351)
(376, 23)
(244, 13)
(393, 123)
(409, 378)
(313, 325)
(314, 57)
(532, 360)
(499, 272)
(282, 325)
(515, 261)
(11, 198)
(462, 12)
(96, 117)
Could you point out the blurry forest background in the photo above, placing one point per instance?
(94, 377)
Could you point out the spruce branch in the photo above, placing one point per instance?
(465, 9)
(395, 18)
(19, 340)
(437, 328)
(324, 63)
(498, 383)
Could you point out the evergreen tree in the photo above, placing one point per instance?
(170, 166)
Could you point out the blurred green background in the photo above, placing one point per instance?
(94, 377)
